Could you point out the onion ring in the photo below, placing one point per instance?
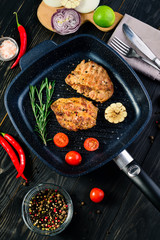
(66, 21)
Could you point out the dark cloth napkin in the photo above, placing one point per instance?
(151, 38)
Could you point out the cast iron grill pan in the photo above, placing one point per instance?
(55, 63)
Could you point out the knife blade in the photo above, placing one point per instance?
(137, 41)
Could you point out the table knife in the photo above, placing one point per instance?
(137, 41)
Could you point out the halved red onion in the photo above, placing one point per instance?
(66, 21)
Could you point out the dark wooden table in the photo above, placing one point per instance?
(125, 213)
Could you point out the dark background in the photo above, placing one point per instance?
(125, 213)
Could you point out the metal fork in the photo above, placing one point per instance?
(127, 51)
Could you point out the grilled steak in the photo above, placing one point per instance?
(91, 80)
(75, 113)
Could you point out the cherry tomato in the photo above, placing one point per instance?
(91, 144)
(61, 139)
(73, 158)
(96, 195)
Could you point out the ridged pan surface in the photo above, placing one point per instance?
(56, 65)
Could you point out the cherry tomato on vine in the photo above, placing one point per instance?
(96, 195)
(91, 144)
(73, 158)
(61, 139)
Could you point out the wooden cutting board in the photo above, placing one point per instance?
(45, 12)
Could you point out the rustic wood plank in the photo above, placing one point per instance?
(125, 213)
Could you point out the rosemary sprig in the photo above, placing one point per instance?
(41, 109)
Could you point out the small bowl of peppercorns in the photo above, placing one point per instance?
(47, 209)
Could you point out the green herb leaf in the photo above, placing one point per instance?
(41, 109)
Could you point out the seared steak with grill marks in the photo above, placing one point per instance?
(75, 113)
(91, 80)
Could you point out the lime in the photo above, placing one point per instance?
(104, 16)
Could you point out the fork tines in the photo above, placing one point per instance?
(119, 46)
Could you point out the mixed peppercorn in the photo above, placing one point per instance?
(48, 209)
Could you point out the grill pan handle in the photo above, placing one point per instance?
(129, 166)
(36, 53)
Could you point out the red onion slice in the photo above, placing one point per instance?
(66, 21)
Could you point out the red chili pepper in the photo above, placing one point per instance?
(12, 154)
(20, 151)
(23, 41)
